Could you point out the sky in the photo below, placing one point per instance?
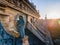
(51, 8)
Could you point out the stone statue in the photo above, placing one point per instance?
(20, 26)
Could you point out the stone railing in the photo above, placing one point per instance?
(35, 31)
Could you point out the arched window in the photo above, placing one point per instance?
(31, 20)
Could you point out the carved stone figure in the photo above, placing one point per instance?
(20, 26)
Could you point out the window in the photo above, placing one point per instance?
(31, 20)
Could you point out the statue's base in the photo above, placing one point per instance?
(25, 40)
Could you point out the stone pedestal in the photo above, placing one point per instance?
(25, 40)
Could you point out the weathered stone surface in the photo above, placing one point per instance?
(25, 40)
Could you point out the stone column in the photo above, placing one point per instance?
(25, 40)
